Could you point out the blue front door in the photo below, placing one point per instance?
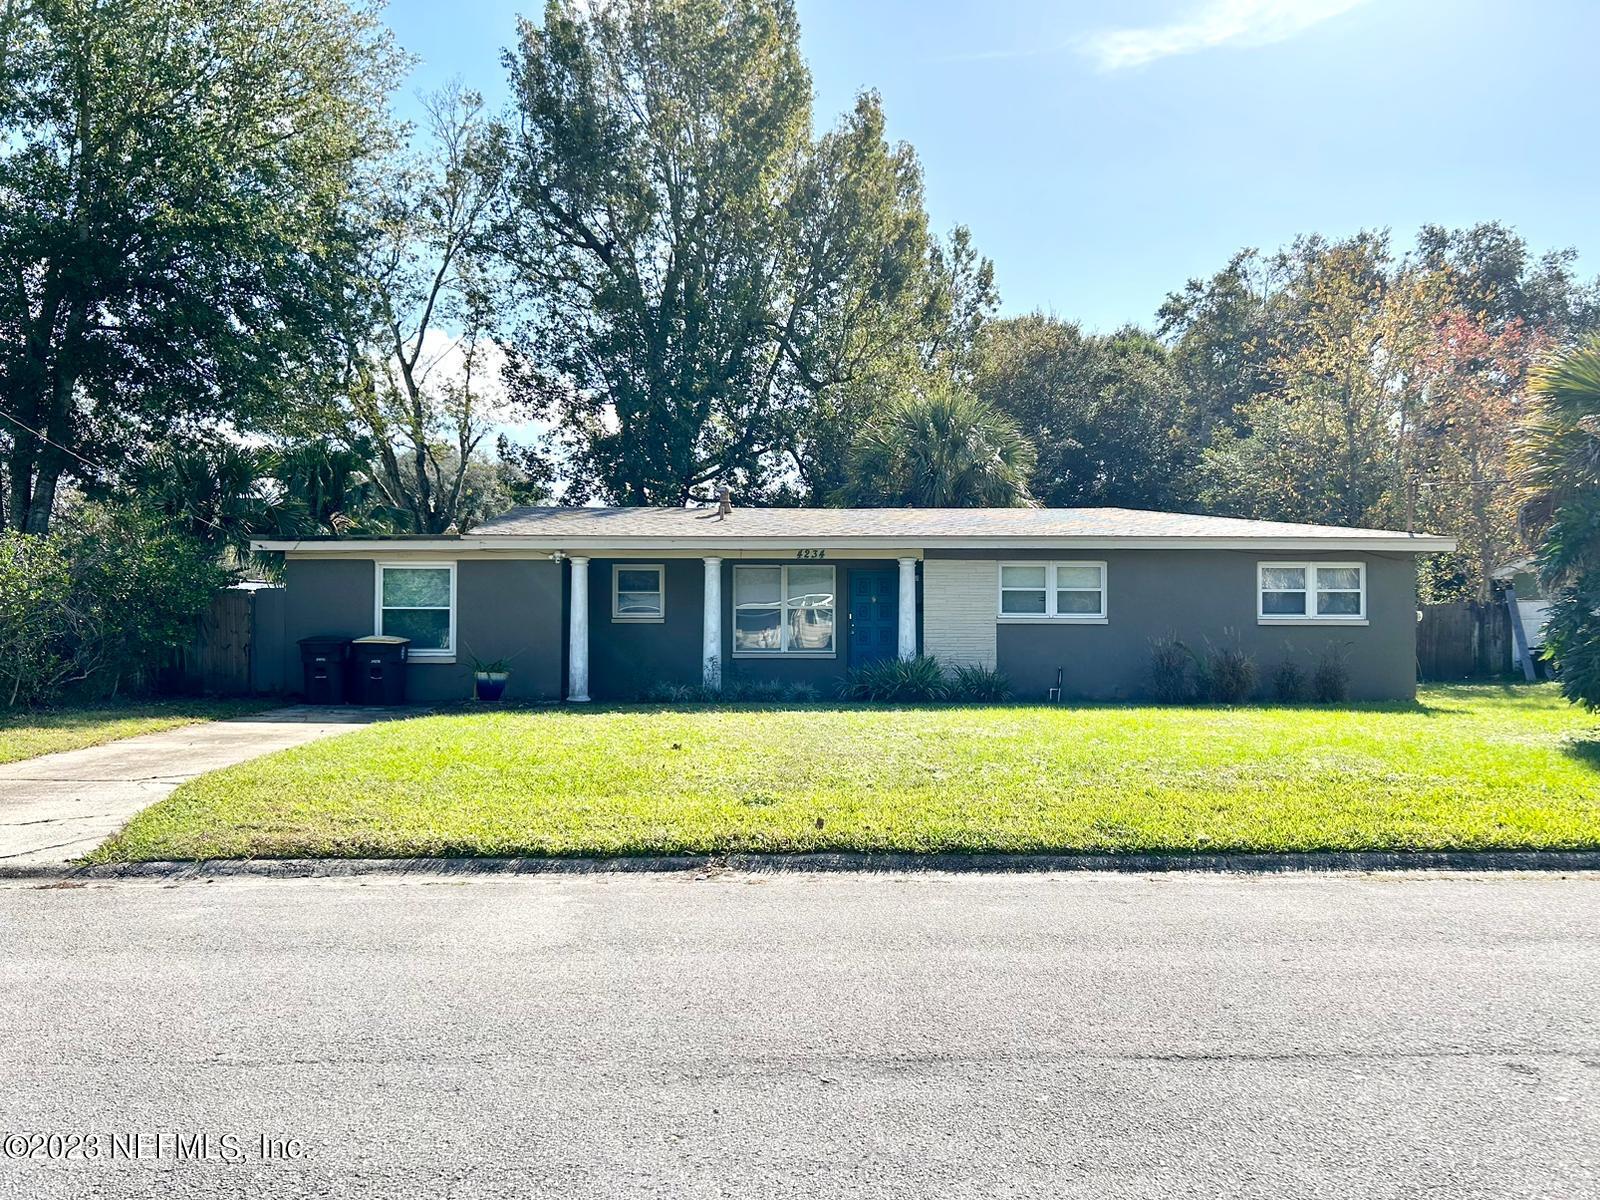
(874, 616)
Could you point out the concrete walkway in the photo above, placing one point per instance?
(61, 806)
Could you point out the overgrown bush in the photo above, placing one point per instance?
(97, 603)
(1288, 682)
(978, 685)
(1170, 665)
(1330, 682)
(903, 681)
(41, 625)
(1229, 675)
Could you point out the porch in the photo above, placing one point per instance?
(806, 615)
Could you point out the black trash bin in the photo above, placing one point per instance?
(324, 661)
(378, 670)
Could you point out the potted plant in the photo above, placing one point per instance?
(489, 678)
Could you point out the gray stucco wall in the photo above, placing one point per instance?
(625, 657)
(1204, 596)
(508, 608)
(511, 609)
(515, 609)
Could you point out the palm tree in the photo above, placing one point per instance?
(1558, 458)
(222, 494)
(334, 483)
(939, 446)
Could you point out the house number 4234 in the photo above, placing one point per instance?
(810, 553)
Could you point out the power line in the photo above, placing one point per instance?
(49, 441)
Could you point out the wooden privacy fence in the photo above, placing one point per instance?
(217, 662)
(1463, 641)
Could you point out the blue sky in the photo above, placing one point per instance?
(1104, 152)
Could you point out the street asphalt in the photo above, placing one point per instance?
(777, 1035)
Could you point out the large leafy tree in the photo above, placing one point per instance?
(701, 268)
(173, 180)
(939, 446)
(1223, 332)
(1490, 272)
(1108, 415)
(424, 388)
(1470, 380)
(1558, 454)
(941, 317)
(1319, 444)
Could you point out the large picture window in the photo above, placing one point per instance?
(1063, 591)
(418, 601)
(1290, 592)
(638, 593)
(783, 610)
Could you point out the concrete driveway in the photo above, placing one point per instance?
(839, 1036)
(60, 806)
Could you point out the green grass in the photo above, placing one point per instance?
(1471, 767)
(26, 734)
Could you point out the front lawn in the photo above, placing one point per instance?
(25, 733)
(1469, 767)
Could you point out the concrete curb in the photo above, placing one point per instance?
(344, 868)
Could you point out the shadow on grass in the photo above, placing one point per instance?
(79, 716)
(689, 707)
(1438, 699)
(1585, 750)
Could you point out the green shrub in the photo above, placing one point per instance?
(733, 691)
(98, 603)
(1230, 675)
(1330, 682)
(979, 685)
(1170, 664)
(760, 691)
(678, 693)
(1288, 682)
(902, 681)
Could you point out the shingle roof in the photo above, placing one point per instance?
(904, 530)
(912, 526)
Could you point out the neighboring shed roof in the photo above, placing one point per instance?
(910, 528)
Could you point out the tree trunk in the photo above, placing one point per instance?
(43, 501)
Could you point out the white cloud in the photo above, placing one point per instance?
(1216, 23)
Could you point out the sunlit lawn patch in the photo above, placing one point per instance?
(1468, 767)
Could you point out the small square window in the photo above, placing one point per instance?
(638, 593)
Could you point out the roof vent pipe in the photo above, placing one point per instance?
(724, 502)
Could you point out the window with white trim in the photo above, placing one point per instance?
(783, 610)
(1063, 591)
(638, 592)
(418, 601)
(1287, 592)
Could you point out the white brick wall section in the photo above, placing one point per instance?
(958, 611)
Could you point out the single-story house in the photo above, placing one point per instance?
(605, 602)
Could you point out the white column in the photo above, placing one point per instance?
(578, 634)
(908, 608)
(711, 647)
